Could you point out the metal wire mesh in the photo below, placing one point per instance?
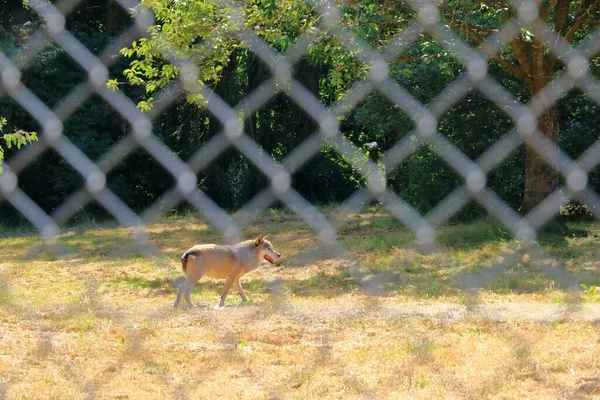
(424, 116)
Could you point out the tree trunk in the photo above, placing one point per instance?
(112, 17)
(541, 179)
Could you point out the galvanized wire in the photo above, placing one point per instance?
(425, 118)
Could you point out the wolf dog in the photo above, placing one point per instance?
(223, 262)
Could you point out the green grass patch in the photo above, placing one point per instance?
(384, 247)
(154, 368)
(6, 297)
(128, 282)
(323, 284)
(522, 279)
(591, 292)
(83, 323)
(104, 315)
(473, 235)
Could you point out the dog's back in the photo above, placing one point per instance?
(210, 260)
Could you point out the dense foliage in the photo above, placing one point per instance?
(202, 32)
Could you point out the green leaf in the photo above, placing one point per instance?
(112, 84)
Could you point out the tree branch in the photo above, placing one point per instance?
(562, 28)
(544, 11)
(521, 52)
(581, 19)
(477, 33)
(561, 17)
(521, 73)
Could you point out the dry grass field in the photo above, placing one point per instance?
(382, 321)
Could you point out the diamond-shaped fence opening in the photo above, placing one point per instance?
(281, 68)
(230, 167)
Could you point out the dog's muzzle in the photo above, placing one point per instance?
(270, 259)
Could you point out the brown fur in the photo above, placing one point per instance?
(223, 262)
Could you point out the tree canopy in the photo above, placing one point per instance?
(213, 36)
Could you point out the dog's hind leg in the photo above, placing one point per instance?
(188, 292)
(240, 289)
(180, 291)
(193, 275)
(184, 289)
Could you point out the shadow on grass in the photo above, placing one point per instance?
(472, 235)
(106, 243)
(375, 233)
(324, 285)
(115, 242)
(555, 234)
(160, 286)
(409, 283)
(379, 236)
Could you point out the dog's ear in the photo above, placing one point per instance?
(266, 237)
(259, 240)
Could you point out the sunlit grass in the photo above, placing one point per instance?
(368, 323)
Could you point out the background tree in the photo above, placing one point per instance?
(16, 139)
(207, 33)
(529, 59)
(14, 14)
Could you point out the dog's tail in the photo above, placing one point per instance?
(184, 259)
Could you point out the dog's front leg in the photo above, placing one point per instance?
(240, 289)
(232, 277)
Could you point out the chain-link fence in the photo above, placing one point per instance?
(424, 116)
